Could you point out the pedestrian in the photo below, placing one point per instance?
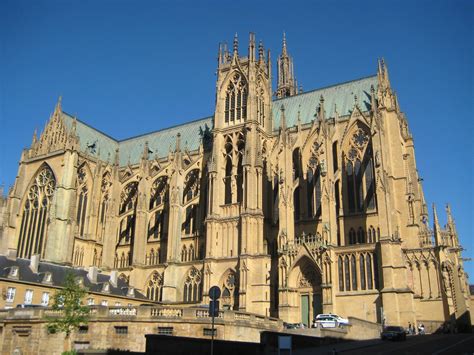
(410, 330)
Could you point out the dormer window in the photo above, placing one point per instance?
(14, 273)
(106, 287)
(48, 278)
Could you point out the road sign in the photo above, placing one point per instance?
(214, 293)
(214, 308)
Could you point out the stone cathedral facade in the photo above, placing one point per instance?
(293, 203)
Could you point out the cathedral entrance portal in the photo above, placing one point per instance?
(307, 280)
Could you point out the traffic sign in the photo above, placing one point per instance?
(214, 293)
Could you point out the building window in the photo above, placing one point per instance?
(83, 329)
(45, 299)
(360, 236)
(154, 287)
(192, 286)
(362, 272)
(347, 274)
(11, 291)
(117, 304)
(165, 330)
(33, 226)
(341, 273)
(236, 100)
(90, 301)
(314, 193)
(207, 332)
(352, 236)
(104, 303)
(354, 272)
(121, 330)
(28, 297)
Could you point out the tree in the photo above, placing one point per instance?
(69, 301)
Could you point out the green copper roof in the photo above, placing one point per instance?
(339, 97)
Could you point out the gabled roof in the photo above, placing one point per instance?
(340, 97)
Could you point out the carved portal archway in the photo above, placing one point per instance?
(306, 279)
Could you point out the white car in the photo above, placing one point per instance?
(329, 321)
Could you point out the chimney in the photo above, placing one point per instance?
(113, 278)
(11, 254)
(92, 274)
(34, 263)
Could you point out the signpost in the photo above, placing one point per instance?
(214, 294)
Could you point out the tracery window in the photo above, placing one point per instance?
(33, 228)
(360, 172)
(362, 271)
(236, 100)
(230, 295)
(191, 186)
(193, 286)
(347, 273)
(190, 222)
(154, 287)
(314, 184)
(371, 236)
(159, 196)
(360, 236)
(128, 200)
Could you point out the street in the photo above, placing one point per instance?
(435, 344)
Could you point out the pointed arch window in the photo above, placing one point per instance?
(154, 287)
(359, 172)
(236, 100)
(33, 228)
(127, 209)
(347, 274)
(354, 272)
(192, 286)
(362, 271)
(314, 192)
(352, 236)
(340, 268)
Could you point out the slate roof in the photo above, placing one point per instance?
(58, 273)
(340, 97)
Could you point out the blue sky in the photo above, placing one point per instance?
(129, 67)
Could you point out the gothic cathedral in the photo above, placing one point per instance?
(293, 203)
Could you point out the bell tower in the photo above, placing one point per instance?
(242, 119)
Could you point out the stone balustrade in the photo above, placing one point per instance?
(145, 313)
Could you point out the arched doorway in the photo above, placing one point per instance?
(306, 279)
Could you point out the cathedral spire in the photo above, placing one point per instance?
(286, 78)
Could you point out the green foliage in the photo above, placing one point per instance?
(72, 352)
(69, 301)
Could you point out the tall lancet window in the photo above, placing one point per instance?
(127, 212)
(82, 199)
(314, 185)
(359, 172)
(228, 156)
(33, 228)
(236, 100)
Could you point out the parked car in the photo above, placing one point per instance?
(293, 325)
(329, 321)
(393, 332)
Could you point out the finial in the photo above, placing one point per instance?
(236, 44)
(35, 137)
(448, 212)
(117, 157)
(178, 142)
(321, 108)
(284, 44)
(435, 216)
(283, 118)
(58, 107)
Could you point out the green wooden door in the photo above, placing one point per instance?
(305, 310)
